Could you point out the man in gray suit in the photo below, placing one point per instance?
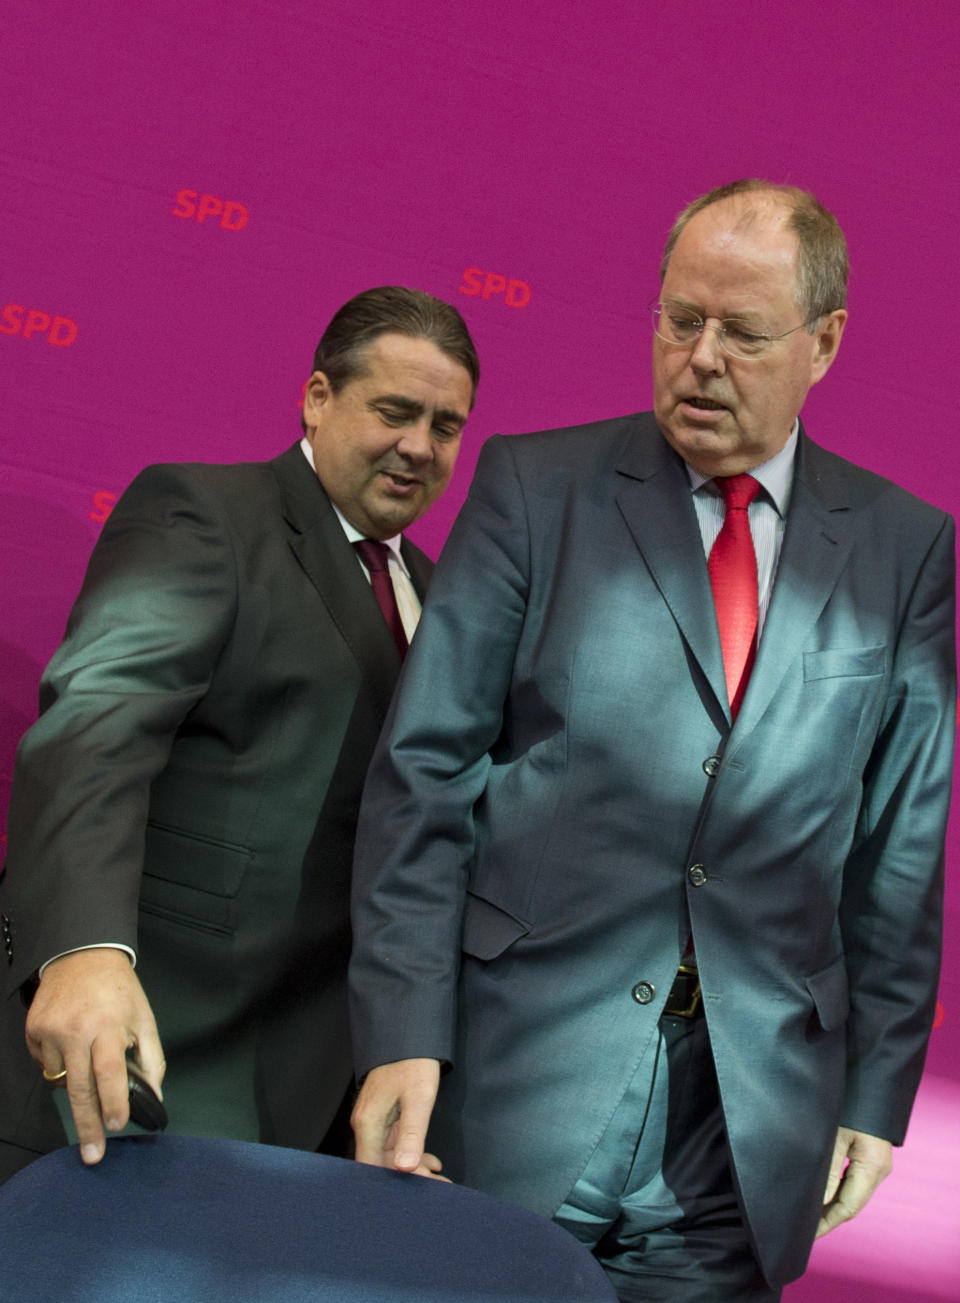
(651, 849)
(188, 797)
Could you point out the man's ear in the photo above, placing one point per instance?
(316, 397)
(827, 342)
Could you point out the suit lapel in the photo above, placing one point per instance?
(816, 545)
(419, 565)
(655, 502)
(320, 545)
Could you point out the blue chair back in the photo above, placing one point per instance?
(178, 1219)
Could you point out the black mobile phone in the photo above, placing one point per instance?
(146, 1110)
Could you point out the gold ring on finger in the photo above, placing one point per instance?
(54, 1076)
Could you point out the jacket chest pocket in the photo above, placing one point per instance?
(844, 689)
(844, 663)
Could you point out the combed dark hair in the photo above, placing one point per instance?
(340, 353)
(822, 261)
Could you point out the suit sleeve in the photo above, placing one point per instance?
(416, 836)
(141, 644)
(891, 909)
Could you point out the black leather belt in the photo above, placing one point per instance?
(684, 1000)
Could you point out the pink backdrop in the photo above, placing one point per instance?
(189, 190)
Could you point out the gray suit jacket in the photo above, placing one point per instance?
(545, 786)
(192, 786)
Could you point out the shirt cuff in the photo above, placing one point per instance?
(97, 945)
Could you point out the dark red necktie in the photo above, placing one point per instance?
(733, 578)
(375, 556)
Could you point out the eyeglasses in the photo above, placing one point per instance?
(680, 326)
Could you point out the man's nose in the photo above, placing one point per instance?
(416, 441)
(707, 355)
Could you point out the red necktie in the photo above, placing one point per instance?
(733, 578)
(375, 556)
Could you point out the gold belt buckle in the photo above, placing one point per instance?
(692, 1005)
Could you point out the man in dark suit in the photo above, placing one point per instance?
(188, 798)
(651, 849)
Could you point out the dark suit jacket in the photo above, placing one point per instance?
(546, 785)
(192, 786)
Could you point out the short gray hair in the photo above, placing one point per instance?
(823, 264)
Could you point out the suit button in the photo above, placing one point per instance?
(644, 992)
(697, 875)
(711, 765)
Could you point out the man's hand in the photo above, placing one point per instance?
(89, 1009)
(871, 1160)
(392, 1113)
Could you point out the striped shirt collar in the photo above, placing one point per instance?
(775, 475)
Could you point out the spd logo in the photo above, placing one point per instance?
(103, 501)
(233, 216)
(15, 319)
(516, 293)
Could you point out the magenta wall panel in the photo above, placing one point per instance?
(190, 189)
